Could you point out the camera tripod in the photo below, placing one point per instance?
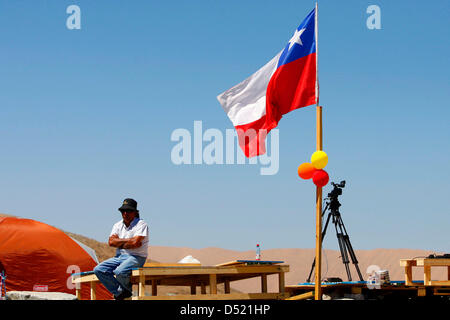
(343, 239)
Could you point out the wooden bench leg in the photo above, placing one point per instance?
(141, 289)
(93, 291)
(408, 275)
(193, 288)
(78, 293)
(203, 288)
(264, 283)
(281, 282)
(213, 284)
(227, 286)
(154, 288)
(427, 275)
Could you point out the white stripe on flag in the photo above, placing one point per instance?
(246, 101)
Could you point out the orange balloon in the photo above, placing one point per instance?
(306, 170)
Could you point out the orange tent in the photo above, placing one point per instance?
(36, 255)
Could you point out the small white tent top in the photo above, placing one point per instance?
(189, 259)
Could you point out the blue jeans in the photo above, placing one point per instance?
(119, 266)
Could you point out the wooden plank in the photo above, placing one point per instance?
(93, 290)
(433, 262)
(440, 283)
(264, 283)
(269, 269)
(248, 262)
(213, 284)
(85, 278)
(231, 296)
(448, 273)
(229, 263)
(407, 262)
(260, 262)
(303, 296)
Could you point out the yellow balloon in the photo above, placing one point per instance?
(319, 159)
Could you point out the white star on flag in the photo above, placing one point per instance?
(296, 38)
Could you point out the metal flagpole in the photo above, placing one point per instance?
(319, 143)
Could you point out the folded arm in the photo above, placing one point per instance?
(131, 243)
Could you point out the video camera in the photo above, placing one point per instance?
(337, 190)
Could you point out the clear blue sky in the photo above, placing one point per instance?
(86, 118)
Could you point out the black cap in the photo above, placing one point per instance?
(129, 205)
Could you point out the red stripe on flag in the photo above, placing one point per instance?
(292, 86)
(252, 137)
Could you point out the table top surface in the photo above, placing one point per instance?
(228, 269)
(425, 262)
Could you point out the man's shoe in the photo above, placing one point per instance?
(123, 295)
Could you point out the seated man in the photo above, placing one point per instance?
(130, 237)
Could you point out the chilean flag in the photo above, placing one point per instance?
(285, 83)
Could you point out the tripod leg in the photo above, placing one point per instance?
(350, 248)
(323, 236)
(312, 269)
(344, 255)
(353, 257)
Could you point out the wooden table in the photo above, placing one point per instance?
(200, 276)
(427, 264)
